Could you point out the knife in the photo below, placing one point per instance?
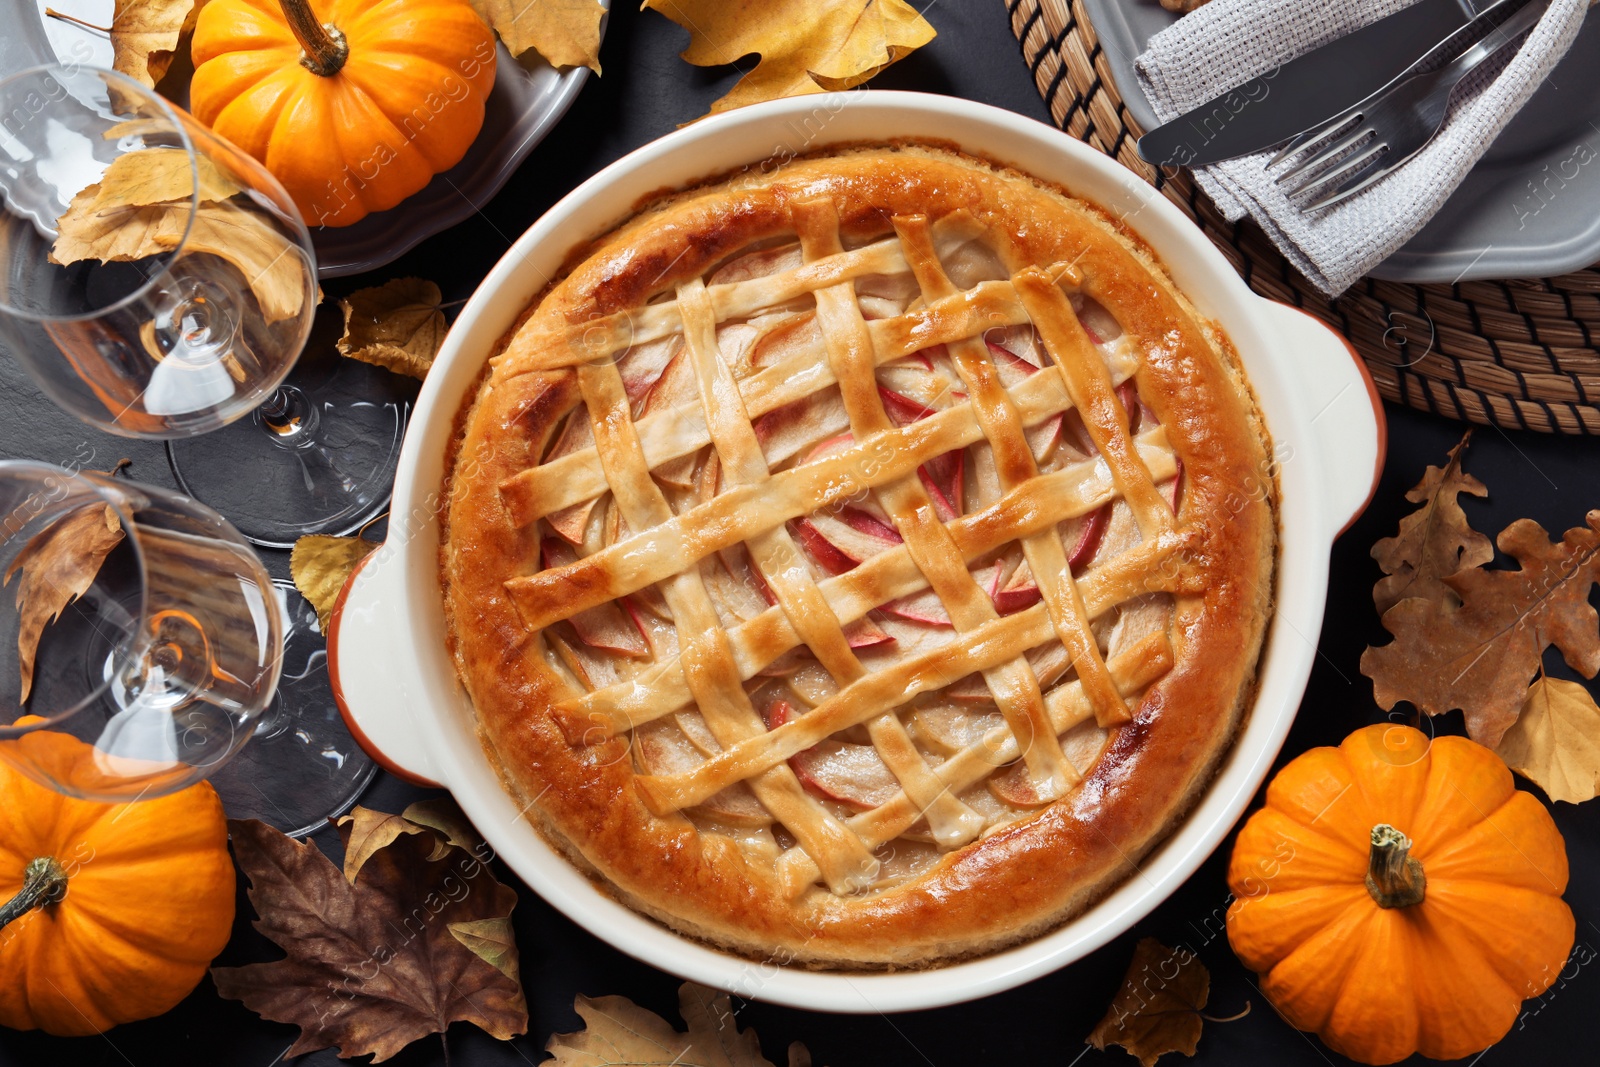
(1310, 88)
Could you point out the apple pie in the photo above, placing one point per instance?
(861, 564)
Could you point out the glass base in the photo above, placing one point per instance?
(302, 767)
(317, 457)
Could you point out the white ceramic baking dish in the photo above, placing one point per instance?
(398, 688)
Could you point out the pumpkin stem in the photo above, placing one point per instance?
(1394, 879)
(323, 48)
(43, 882)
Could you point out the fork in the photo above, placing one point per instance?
(1392, 125)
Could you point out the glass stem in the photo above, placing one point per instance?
(289, 417)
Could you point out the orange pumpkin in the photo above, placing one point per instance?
(113, 911)
(352, 104)
(1398, 895)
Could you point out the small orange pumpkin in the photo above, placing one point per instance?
(1397, 894)
(352, 104)
(112, 911)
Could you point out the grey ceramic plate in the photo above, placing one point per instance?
(1531, 207)
(525, 104)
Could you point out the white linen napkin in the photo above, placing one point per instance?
(1227, 42)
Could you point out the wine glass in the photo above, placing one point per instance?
(159, 283)
(143, 625)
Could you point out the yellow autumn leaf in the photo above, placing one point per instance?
(806, 46)
(617, 1031)
(99, 225)
(159, 176)
(1555, 742)
(368, 832)
(565, 32)
(320, 566)
(494, 941)
(397, 325)
(145, 35)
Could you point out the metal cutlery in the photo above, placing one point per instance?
(1304, 92)
(1369, 140)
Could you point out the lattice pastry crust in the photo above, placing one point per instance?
(861, 564)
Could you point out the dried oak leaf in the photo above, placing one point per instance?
(565, 32)
(1478, 649)
(145, 35)
(397, 325)
(616, 1031)
(271, 265)
(320, 566)
(1157, 1008)
(1555, 742)
(57, 566)
(806, 46)
(373, 965)
(1434, 541)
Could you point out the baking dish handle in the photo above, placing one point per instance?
(374, 686)
(1347, 424)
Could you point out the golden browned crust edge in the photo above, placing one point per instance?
(1037, 873)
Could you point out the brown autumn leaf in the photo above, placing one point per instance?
(616, 1030)
(373, 965)
(95, 228)
(1157, 1009)
(57, 566)
(397, 325)
(320, 566)
(1555, 742)
(806, 46)
(1478, 649)
(1434, 541)
(145, 35)
(366, 831)
(565, 32)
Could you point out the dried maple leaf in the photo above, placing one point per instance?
(806, 46)
(145, 35)
(373, 965)
(321, 565)
(1478, 650)
(1157, 1009)
(616, 1030)
(397, 325)
(1434, 541)
(565, 32)
(57, 566)
(271, 265)
(1555, 742)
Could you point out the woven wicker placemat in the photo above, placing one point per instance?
(1516, 354)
